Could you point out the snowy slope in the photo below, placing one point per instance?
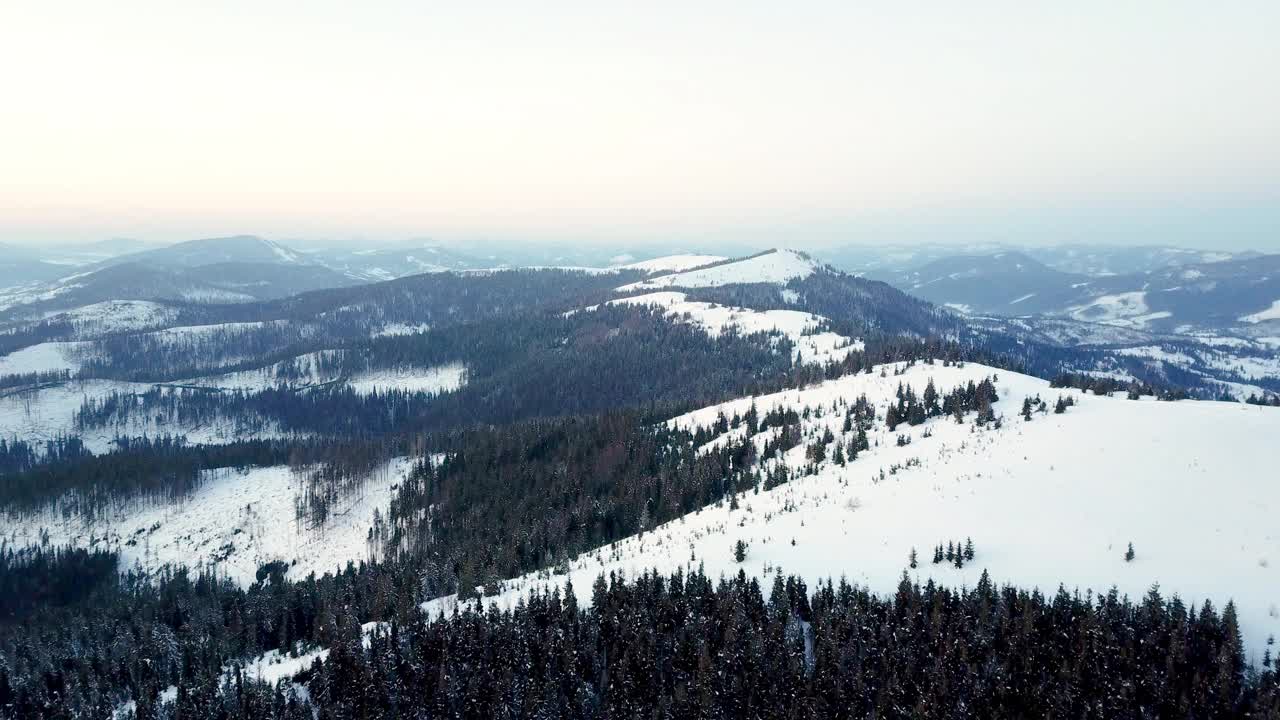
(301, 371)
(50, 413)
(1124, 309)
(775, 266)
(810, 346)
(1054, 500)
(116, 316)
(311, 370)
(1271, 313)
(236, 521)
(44, 357)
(431, 380)
(673, 263)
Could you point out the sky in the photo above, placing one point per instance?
(599, 122)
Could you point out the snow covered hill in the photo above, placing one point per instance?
(1054, 500)
(235, 522)
(775, 266)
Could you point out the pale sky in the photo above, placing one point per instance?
(1150, 122)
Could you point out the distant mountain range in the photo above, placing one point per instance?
(1157, 289)
(215, 270)
(1179, 297)
(884, 261)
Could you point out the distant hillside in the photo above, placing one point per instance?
(211, 251)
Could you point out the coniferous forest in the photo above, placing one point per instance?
(555, 448)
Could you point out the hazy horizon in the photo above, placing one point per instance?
(817, 124)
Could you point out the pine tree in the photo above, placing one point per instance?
(968, 549)
(739, 551)
(951, 551)
(1129, 554)
(931, 399)
(912, 562)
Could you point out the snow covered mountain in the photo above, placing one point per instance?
(504, 431)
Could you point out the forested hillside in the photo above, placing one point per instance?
(573, 494)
